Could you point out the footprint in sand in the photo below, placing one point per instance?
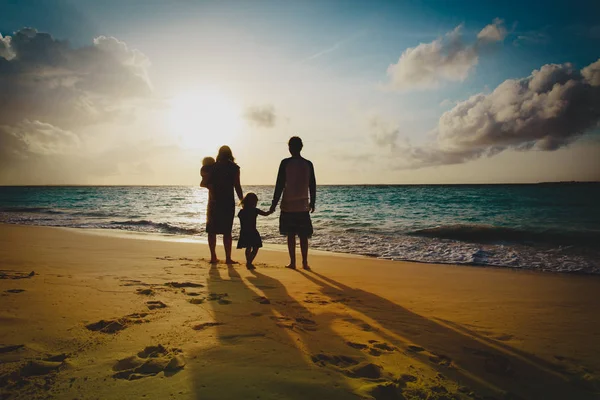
(8, 349)
(166, 258)
(15, 290)
(155, 304)
(219, 298)
(184, 285)
(374, 347)
(204, 325)
(579, 374)
(359, 346)
(342, 361)
(494, 363)
(414, 348)
(262, 300)
(365, 370)
(116, 325)
(387, 391)
(10, 274)
(300, 323)
(366, 327)
(40, 372)
(314, 298)
(145, 292)
(440, 359)
(149, 362)
(349, 366)
(407, 378)
(133, 282)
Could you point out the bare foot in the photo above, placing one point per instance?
(214, 261)
(291, 266)
(305, 266)
(231, 262)
(250, 266)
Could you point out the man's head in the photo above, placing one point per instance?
(295, 145)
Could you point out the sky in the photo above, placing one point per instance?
(381, 92)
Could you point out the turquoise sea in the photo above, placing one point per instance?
(551, 227)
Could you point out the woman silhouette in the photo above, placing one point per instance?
(224, 178)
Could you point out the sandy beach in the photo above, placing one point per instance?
(86, 316)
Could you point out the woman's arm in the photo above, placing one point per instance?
(238, 186)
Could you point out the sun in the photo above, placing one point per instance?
(204, 119)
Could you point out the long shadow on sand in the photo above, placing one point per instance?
(257, 353)
(490, 369)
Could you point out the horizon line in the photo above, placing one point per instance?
(324, 184)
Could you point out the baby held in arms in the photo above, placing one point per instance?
(207, 163)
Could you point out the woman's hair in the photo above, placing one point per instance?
(250, 197)
(225, 154)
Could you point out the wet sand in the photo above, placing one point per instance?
(93, 317)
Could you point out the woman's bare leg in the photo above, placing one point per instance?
(212, 245)
(227, 245)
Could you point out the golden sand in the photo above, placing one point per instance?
(118, 318)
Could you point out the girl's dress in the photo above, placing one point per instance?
(249, 236)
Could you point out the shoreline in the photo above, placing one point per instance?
(180, 238)
(355, 327)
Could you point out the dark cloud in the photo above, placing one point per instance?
(49, 91)
(261, 116)
(445, 59)
(549, 109)
(47, 80)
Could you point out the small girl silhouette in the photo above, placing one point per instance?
(249, 236)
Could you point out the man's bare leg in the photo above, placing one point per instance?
(304, 251)
(291, 241)
(212, 245)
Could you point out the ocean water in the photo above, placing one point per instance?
(550, 227)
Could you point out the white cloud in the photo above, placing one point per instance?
(592, 73)
(5, 48)
(383, 133)
(494, 32)
(547, 110)
(261, 116)
(445, 59)
(35, 137)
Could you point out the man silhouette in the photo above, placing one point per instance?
(296, 180)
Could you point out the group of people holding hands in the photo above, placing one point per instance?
(295, 181)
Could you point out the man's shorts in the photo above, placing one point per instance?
(295, 223)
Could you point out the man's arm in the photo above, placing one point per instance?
(279, 185)
(312, 188)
